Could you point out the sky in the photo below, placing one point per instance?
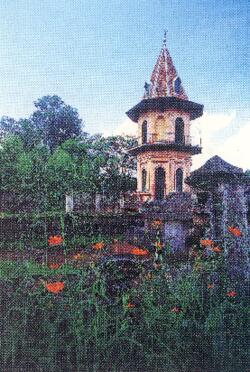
(97, 55)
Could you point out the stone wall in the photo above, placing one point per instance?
(225, 206)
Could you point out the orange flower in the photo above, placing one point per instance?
(54, 287)
(216, 249)
(206, 242)
(158, 245)
(98, 246)
(231, 294)
(130, 305)
(55, 240)
(139, 252)
(77, 256)
(54, 266)
(175, 310)
(210, 286)
(156, 224)
(234, 231)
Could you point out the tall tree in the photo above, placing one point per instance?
(55, 121)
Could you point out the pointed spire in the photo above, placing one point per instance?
(165, 81)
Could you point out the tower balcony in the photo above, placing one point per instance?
(154, 144)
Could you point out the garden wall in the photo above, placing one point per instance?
(34, 229)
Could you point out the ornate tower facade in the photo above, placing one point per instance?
(164, 151)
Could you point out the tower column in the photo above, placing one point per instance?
(139, 175)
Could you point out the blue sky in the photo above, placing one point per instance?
(96, 55)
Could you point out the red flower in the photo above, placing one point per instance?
(55, 240)
(54, 266)
(139, 252)
(231, 294)
(234, 231)
(54, 287)
(130, 305)
(206, 242)
(175, 310)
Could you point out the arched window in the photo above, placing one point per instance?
(177, 85)
(144, 133)
(179, 130)
(179, 180)
(144, 180)
(159, 183)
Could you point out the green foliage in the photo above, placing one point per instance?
(174, 325)
(40, 179)
(45, 157)
(8, 126)
(55, 121)
(10, 153)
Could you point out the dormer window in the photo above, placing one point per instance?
(177, 85)
(144, 133)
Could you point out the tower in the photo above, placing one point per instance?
(163, 118)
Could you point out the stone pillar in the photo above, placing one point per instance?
(97, 202)
(122, 201)
(69, 203)
(234, 207)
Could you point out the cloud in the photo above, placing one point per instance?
(236, 150)
(211, 128)
(127, 127)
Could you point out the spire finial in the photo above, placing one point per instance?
(165, 38)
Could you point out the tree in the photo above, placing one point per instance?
(46, 156)
(11, 151)
(114, 166)
(29, 134)
(8, 126)
(55, 121)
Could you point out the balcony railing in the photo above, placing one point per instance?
(185, 140)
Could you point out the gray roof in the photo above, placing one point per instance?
(216, 165)
(214, 170)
